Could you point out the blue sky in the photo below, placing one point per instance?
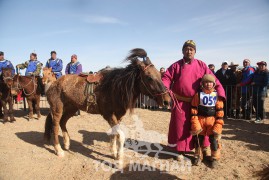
(101, 32)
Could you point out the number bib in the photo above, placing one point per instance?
(208, 100)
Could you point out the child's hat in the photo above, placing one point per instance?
(208, 78)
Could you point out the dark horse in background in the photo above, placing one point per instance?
(116, 93)
(6, 81)
(31, 90)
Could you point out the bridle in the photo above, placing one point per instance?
(19, 86)
(7, 78)
(172, 95)
(153, 95)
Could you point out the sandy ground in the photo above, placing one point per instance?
(245, 151)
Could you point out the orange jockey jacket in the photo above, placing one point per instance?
(207, 113)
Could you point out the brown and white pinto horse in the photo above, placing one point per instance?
(116, 93)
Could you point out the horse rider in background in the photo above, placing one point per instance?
(33, 68)
(5, 63)
(56, 64)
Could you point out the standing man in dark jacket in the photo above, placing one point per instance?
(227, 79)
(212, 68)
(260, 83)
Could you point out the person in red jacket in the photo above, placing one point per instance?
(207, 119)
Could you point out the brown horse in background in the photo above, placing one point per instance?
(6, 82)
(116, 93)
(29, 86)
(48, 77)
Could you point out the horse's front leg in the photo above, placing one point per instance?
(121, 140)
(113, 145)
(5, 111)
(10, 103)
(56, 123)
(1, 112)
(118, 138)
(37, 107)
(31, 110)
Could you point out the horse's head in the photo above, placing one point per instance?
(7, 76)
(151, 83)
(48, 75)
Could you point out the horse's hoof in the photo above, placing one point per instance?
(60, 154)
(13, 120)
(120, 164)
(38, 116)
(66, 147)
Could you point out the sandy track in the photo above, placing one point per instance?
(23, 156)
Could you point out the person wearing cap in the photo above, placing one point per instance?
(182, 79)
(33, 66)
(162, 71)
(207, 119)
(236, 91)
(74, 67)
(212, 68)
(260, 83)
(227, 79)
(5, 64)
(56, 64)
(247, 76)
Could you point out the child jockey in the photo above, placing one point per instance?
(207, 113)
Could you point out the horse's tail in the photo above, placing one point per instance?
(48, 128)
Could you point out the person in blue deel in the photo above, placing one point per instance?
(56, 64)
(5, 63)
(33, 66)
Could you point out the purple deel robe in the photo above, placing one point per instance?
(184, 80)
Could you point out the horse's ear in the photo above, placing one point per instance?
(140, 64)
(147, 60)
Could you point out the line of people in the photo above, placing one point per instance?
(245, 85)
(33, 66)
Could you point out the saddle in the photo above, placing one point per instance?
(92, 81)
(94, 78)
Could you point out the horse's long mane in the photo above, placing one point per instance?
(121, 84)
